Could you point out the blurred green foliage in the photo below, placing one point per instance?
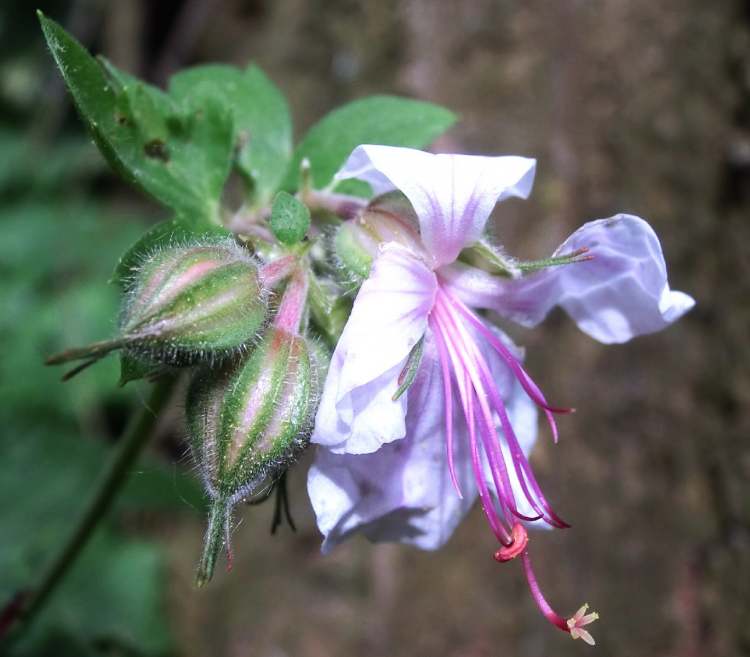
(56, 256)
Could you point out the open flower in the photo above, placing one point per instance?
(407, 467)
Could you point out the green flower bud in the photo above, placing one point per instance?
(247, 423)
(186, 304)
(389, 218)
(194, 302)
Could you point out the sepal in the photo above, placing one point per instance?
(491, 258)
(388, 218)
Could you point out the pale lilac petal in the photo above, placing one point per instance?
(357, 414)
(478, 288)
(402, 492)
(453, 195)
(621, 293)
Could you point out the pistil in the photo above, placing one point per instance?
(573, 625)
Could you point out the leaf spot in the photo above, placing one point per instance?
(157, 150)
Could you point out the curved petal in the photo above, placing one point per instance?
(622, 292)
(453, 195)
(403, 492)
(357, 414)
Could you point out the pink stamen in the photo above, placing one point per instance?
(536, 592)
(573, 625)
(524, 472)
(448, 393)
(463, 361)
(528, 384)
(488, 506)
(520, 541)
(526, 381)
(484, 495)
(474, 360)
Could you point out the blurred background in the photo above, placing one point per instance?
(629, 105)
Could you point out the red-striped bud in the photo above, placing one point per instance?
(187, 304)
(247, 423)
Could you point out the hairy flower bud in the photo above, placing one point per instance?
(193, 302)
(186, 304)
(247, 423)
(389, 218)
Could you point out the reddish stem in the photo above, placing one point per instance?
(292, 304)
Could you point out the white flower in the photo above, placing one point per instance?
(409, 469)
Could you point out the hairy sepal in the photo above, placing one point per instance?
(387, 218)
(187, 304)
(249, 420)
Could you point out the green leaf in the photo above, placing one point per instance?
(386, 120)
(263, 125)
(290, 219)
(180, 156)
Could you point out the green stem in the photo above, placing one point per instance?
(216, 539)
(127, 451)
